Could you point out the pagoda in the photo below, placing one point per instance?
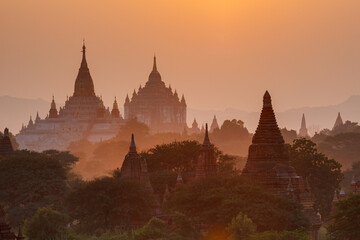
(303, 132)
(338, 122)
(214, 124)
(269, 166)
(157, 105)
(83, 116)
(206, 163)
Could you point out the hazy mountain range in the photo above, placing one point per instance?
(16, 111)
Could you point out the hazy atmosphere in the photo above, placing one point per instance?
(219, 54)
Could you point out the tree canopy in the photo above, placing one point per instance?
(29, 180)
(323, 174)
(218, 200)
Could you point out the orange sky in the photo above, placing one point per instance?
(220, 54)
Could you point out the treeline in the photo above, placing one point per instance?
(41, 192)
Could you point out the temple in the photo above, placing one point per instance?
(83, 116)
(206, 163)
(6, 147)
(214, 124)
(268, 165)
(303, 132)
(157, 105)
(134, 167)
(194, 128)
(338, 122)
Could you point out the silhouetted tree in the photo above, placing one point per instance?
(323, 174)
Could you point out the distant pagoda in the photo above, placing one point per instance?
(303, 132)
(206, 163)
(338, 122)
(214, 124)
(83, 116)
(268, 165)
(157, 105)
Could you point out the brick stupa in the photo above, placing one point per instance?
(268, 165)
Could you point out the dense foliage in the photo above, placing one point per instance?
(345, 220)
(106, 203)
(218, 200)
(48, 224)
(323, 174)
(29, 180)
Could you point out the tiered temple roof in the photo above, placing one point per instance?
(206, 164)
(268, 165)
(157, 105)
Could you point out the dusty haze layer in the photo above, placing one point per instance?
(220, 54)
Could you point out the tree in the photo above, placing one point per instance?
(345, 220)
(29, 180)
(48, 224)
(323, 174)
(106, 203)
(241, 227)
(217, 200)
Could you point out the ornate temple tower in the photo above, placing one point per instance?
(157, 105)
(135, 168)
(6, 147)
(84, 103)
(338, 121)
(214, 124)
(53, 113)
(303, 132)
(206, 164)
(268, 165)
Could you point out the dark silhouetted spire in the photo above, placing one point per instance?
(132, 148)
(206, 139)
(83, 61)
(127, 100)
(84, 86)
(267, 130)
(154, 75)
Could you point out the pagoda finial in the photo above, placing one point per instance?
(83, 62)
(154, 65)
(206, 139)
(132, 144)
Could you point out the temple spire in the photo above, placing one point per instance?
(303, 132)
(132, 148)
(83, 61)
(338, 121)
(154, 64)
(206, 139)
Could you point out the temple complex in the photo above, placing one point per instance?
(83, 116)
(303, 132)
(338, 122)
(6, 147)
(214, 124)
(268, 165)
(157, 105)
(206, 163)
